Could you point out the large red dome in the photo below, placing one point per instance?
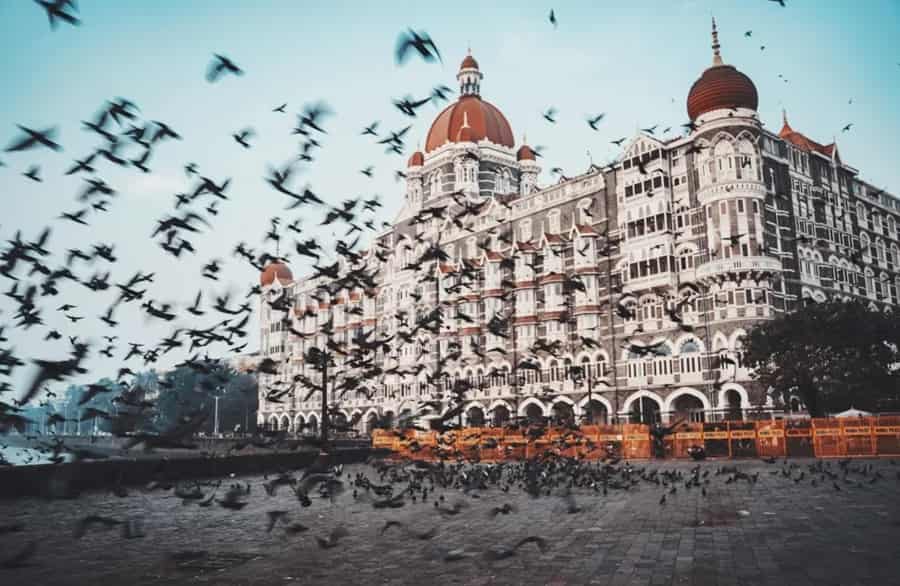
(483, 119)
(275, 270)
(469, 119)
(720, 86)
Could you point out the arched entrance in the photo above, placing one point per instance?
(563, 413)
(312, 425)
(534, 413)
(501, 415)
(388, 419)
(285, 423)
(338, 419)
(688, 408)
(475, 417)
(644, 410)
(733, 405)
(371, 422)
(595, 412)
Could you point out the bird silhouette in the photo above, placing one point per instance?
(594, 121)
(56, 11)
(421, 42)
(34, 138)
(220, 66)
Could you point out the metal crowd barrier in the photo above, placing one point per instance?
(820, 438)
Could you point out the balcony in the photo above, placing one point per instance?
(738, 264)
(728, 188)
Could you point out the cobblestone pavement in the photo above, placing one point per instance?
(774, 532)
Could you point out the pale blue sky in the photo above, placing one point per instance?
(635, 61)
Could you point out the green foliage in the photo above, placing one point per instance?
(831, 355)
(185, 391)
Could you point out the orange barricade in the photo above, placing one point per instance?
(857, 437)
(887, 435)
(742, 439)
(492, 444)
(827, 438)
(688, 434)
(770, 440)
(468, 442)
(798, 438)
(636, 441)
(824, 438)
(610, 439)
(715, 440)
(514, 446)
(385, 439)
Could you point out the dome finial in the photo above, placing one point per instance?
(717, 57)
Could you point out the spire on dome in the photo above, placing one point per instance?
(717, 57)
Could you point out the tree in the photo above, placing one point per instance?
(832, 355)
(192, 388)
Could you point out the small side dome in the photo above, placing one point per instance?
(417, 159)
(525, 153)
(275, 270)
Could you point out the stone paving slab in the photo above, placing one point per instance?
(788, 533)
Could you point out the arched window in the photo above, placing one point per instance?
(870, 282)
(685, 259)
(553, 221)
(864, 244)
(690, 356)
(435, 183)
(525, 230)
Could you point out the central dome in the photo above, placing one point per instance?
(275, 270)
(469, 119)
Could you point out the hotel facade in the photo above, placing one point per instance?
(681, 245)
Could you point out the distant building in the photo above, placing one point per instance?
(681, 245)
(245, 362)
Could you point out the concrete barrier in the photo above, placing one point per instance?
(69, 479)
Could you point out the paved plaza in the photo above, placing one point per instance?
(778, 530)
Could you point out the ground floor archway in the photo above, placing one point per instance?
(475, 417)
(501, 415)
(646, 410)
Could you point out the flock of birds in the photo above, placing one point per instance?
(129, 141)
(445, 489)
(454, 489)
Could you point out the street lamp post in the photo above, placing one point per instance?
(216, 420)
(324, 423)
